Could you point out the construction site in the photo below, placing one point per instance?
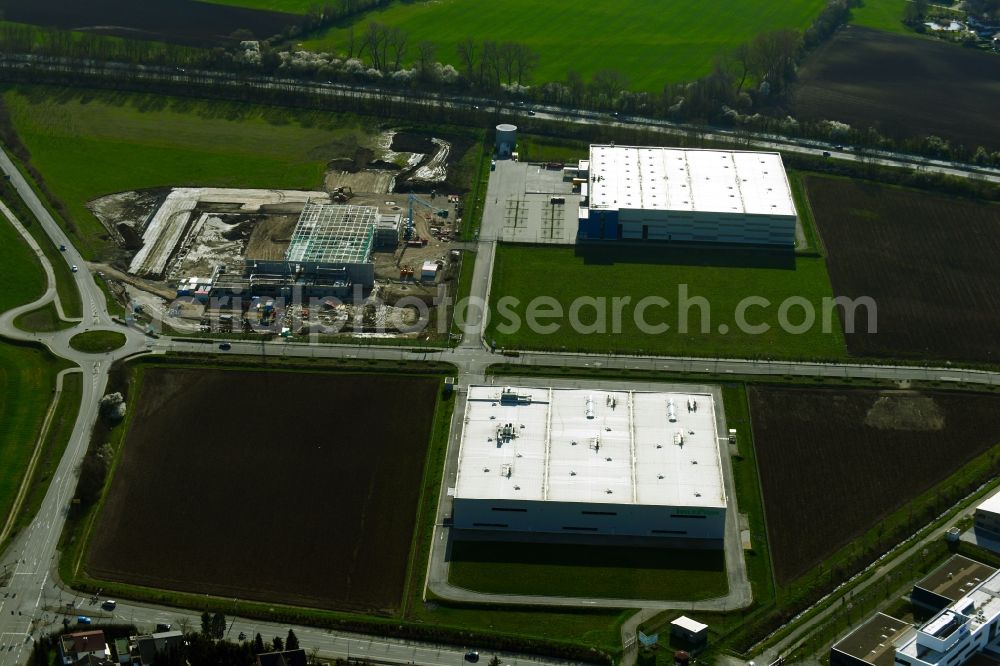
(214, 259)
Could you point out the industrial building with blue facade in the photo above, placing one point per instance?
(635, 193)
(572, 464)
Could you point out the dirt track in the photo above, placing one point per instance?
(295, 488)
(270, 237)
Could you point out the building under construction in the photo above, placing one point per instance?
(330, 254)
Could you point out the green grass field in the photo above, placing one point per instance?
(652, 42)
(41, 320)
(23, 275)
(97, 342)
(565, 274)
(65, 286)
(592, 571)
(27, 374)
(534, 148)
(60, 430)
(882, 15)
(27, 378)
(90, 144)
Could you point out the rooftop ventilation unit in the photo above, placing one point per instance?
(510, 397)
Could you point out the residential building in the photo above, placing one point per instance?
(81, 646)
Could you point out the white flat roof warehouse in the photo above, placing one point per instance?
(717, 181)
(991, 503)
(581, 445)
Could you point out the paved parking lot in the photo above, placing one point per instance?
(519, 204)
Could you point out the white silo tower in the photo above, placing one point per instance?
(506, 140)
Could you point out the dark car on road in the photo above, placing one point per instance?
(225, 346)
(472, 656)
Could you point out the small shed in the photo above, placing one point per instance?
(429, 270)
(689, 630)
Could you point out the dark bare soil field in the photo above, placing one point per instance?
(284, 487)
(178, 21)
(835, 462)
(928, 261)
(902, 86)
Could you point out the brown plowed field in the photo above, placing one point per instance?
(929, 262)
(902, 86)
(835, 462)
(284, 487)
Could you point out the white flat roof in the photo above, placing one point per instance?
(718, 181)
(977, 609)
(991, 503)
(985, 599)
(684, 622)
(627, 453)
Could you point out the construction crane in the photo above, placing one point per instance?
(413, 198)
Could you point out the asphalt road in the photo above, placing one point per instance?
(31, 599)
(504, 112)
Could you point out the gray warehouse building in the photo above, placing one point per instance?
(591, 463)
(672, 194)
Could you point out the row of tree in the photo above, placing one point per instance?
(199, 649)
(213, 625)
(759, 70)
(753, 74)
(987, 10)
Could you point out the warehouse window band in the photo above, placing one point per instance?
(490, 525)
(684, 515)
(599, 513)
(508, 509)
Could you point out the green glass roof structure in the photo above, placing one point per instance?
(333, 234)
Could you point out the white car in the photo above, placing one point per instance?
(74, 268)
